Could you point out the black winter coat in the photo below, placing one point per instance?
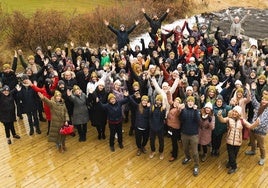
(7, 110)
(29, 99)
(97, 113)
(122, 36)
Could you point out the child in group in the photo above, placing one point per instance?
(157, 123)
(234, 134)
(141, 122)
(7, 112)
(59, 116)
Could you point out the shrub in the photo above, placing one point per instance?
(54, 28)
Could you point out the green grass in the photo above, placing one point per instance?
(30, 6)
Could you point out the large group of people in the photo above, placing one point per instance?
(193, 86)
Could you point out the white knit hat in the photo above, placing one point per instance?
(238, 82)
(189, 88)
(238, 109)
(101, 82)
(208, 105)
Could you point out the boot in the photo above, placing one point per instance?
(42, 119)
(63, 146)
(31, 130)
(48, 127)
(38, 131)
(61, 149)
(8, 141)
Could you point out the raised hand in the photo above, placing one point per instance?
(143, 10)
(219, 113)
(106, 22)
(40, 95)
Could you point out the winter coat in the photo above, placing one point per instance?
(59, 116)
(173, 118)
(262, 128)
(234, 133)
(80, 111)
(157, 118)
(236, 28)
(10, 79)
(205, 130)
(114, 111)
(7, 110)
(47, 95)
(97, 113)
(82, 80)
(155, 24)
(189, 121)
(141, 119)
(70, 83)
(122, 36)
(29, 99)
(220, 128)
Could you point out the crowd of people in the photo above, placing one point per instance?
(193, 86)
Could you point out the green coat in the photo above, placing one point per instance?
(220, 128)
(59, 115)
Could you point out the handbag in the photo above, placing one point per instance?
(66, 129)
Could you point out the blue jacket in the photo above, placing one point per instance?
(189, 121)
(114, 111)
(157, 117)
(141, 119)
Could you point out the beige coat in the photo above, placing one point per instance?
(59, 115)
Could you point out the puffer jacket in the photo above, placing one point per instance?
(59, 116)
(234, 132)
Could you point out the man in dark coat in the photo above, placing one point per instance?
(29, 100)
(155, 22)
(122, 34)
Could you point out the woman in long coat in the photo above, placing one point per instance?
(80, 111)
(7, 112)
(98, 114)
(59, 116)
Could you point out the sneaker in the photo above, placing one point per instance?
(139, 152)
(112, 148)
(196, 171)
(16, 136)
(8, 141)
(152, 154)
(185, 161)
(161, 157)
(231, 170)
(250, 152)
(121, 146)
(261, 162)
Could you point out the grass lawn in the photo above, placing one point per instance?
(29, 6)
